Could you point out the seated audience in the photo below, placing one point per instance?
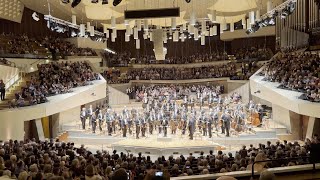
(297, 72)
(54, 78)
(49, 159)
(22, 44)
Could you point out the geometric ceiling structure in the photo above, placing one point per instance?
(229, 10)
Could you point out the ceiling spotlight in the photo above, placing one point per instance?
(75, 3)
(35, 16)
(94, 1)
(104, 2)
(65, 1)
(188, 1)
(116, 2)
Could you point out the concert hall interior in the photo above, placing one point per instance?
(160, 89)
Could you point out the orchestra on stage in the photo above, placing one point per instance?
(163, 115)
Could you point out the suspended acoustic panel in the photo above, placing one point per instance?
(158, 44)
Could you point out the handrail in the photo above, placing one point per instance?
(37, 62)
(270, 160)
(16, 78)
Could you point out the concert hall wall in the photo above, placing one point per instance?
(28, 26)
(267, 41)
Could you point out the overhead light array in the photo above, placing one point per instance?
(268, 19)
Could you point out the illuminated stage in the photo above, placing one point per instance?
(173, 144)
(156, 144)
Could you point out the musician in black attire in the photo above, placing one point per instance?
(260, 112)
(109, 122)
(209, 124)
(150, 124)
(164, 124)
(226, 118)
(94, 122)
(100, 118)
(192, 127)
(138, 124)
(124, 124)
(143, 127)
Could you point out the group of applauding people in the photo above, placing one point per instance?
(164, 73)
(52, 79)
(23, 44)
(176, 91)
(51, 160)
(297, 72)
(125, 58)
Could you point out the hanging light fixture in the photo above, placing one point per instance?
(128, 30)
(138, 24)
(184, 26)
(173, 23)
(232, 26)
(74, 19)
(196, 34)
(248, 24)
(214, 16)
(88, 26)
(135, 33)
(113, 38)
(137, 43)
(175, 36)
(251, 17)
(224, 24)
(146, 24)
(92, 31)
(127, 38)
(165, 38)
(203, 40)
(145, 35)
(203, 26)
(151, 36)
(258, 15)
(82, 30)
(193, 18)
(114, 31)
(113, 22)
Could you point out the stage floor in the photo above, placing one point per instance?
(157, 145)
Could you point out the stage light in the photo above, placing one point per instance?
(272, 21)
(104, 2)
(75, 3)
(188, 1)
(65, 1)
(292, 7)
(94, 1)
(35, 16)
(116, 2)
(73, 34)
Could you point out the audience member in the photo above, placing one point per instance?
(2, 90)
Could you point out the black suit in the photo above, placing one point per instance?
(226, 124)
(164, 124)
(192, 128)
